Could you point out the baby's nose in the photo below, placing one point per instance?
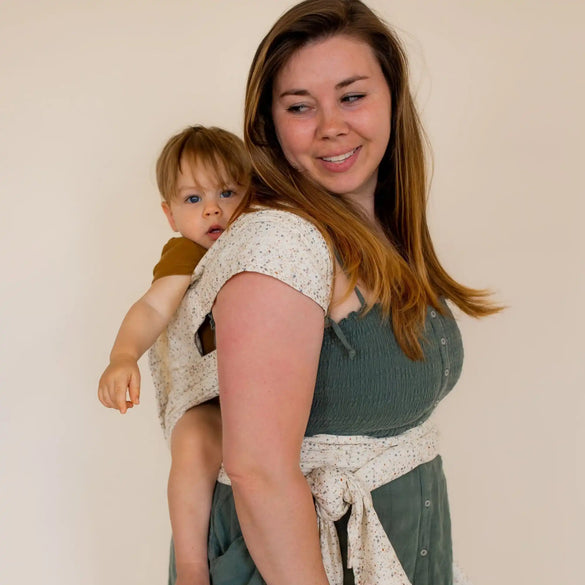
(212, 210)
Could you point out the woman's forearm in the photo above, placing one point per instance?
(279, 524)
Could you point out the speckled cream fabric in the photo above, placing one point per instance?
(342, 471)
(271, 242)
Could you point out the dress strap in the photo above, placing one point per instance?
(335, 326)
(360, 296)
(340, 335)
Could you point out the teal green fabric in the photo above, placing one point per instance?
(367, 386)
(378, 391)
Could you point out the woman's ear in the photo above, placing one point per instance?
(169, 213)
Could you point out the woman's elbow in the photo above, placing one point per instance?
(258, 472)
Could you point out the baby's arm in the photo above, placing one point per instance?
(143, 323)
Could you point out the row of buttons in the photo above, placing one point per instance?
(443, 341)
(423, 551)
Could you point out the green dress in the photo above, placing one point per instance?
(367, 386)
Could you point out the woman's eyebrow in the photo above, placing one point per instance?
(340, 85)
(350, 80)
(294, 92)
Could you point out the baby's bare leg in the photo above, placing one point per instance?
(196, 457)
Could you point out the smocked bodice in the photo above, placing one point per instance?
(367, 386)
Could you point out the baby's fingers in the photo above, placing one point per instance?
(107, 388)
(134, 388)
(104, 395)
(119, 397)
(121, 377)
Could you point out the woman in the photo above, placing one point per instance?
(331, 321)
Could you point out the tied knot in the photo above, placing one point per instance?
(335, 490)
(369, 552)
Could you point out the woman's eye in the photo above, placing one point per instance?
(193, 199)
(227, 194)
(354, 97)
(297, 109)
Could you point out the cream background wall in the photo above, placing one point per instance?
(89, 92)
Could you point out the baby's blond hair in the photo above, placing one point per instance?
(213, 147)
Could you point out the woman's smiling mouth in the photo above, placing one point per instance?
(340, 163)
(340, 157)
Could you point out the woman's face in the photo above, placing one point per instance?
(331, 109)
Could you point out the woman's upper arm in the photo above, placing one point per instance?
(268, 339)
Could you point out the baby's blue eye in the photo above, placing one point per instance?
(226, 194)
(193, 199)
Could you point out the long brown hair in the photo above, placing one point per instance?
(405, 276)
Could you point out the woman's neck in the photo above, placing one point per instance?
(365, 206)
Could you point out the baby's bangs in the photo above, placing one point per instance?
(213, 164)
(228, 169)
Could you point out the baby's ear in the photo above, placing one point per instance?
(169, 213)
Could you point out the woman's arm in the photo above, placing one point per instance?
(143, 323)
(268, 343)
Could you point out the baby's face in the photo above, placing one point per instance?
(203, 205)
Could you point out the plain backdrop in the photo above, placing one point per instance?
(89, 92)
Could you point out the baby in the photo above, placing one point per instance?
(202, 174)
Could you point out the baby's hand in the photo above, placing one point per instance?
(121, 376)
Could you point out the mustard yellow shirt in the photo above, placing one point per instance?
(181, 256)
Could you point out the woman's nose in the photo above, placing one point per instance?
(331, 122)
